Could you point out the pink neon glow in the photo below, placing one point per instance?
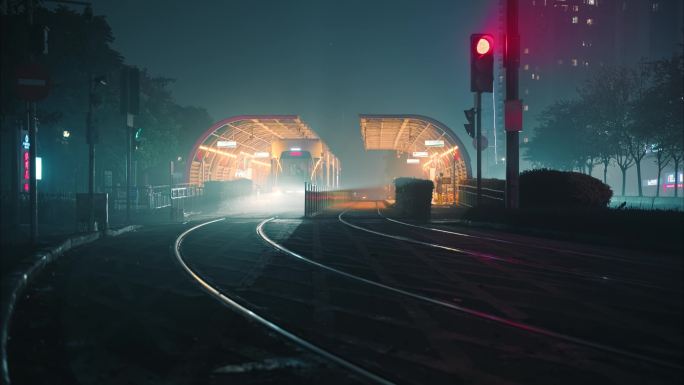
(295, 153)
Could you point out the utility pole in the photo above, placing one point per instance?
(481, 80)
(478, 144)
(90, 134)
(513, 107)
(31, 125)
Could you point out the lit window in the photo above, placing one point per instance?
(574, 62)
(532, 76)
(655, 6)
(538, 77)
(575, 8)
(586, 64)
(526, 67)
(590, 21)
(591, 2)
(575, 19)
(526, 139)
(526, 51)
(526, 107)
(527, 91)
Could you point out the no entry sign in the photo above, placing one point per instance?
(33, 82)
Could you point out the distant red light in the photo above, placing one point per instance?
(483, 46)
(295, 153)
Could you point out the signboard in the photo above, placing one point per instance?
(483, 142)
(39, 168)
(412, 161)
(226, 144)
(434, 143)
(446, 180)
(33, 82)
(513, 115)
(262, 154)
(24, 162)
(420, 154)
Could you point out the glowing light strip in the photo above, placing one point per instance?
(447, 152)
(215, 151)
(260, 163)
(315, 167)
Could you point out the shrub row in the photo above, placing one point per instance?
(413, 197)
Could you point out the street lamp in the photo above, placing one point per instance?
(92, 137)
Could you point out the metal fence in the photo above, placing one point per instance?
(467, 196)
(317, 199)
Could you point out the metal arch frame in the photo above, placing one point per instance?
(218, 130)
(443, 127)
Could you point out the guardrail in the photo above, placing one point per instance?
(467, 196)
(317, 198)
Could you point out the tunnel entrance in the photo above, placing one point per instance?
(273, 151)
(420, 147)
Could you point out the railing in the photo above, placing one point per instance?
(467, 196)
(317, 198)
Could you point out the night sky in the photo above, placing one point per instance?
(327, 61)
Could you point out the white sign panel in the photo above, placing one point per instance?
(39, 168)
(434, 143)
(226, 144)
(412, 161)
(420, 154)
(262, 154)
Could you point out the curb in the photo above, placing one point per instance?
(15, 283)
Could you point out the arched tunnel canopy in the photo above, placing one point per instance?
(425, 142)
(250, 146)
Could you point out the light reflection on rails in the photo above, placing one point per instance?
(263, 321)
(471, 312)
(488, 256)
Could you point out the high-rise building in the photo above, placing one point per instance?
(563, 40)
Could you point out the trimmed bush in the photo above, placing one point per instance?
(552, 188)
(413, 197)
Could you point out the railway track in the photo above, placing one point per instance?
(513, 261)
(274, 327)
(388, 319)
(472, 312)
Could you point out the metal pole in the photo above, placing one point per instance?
(91, 157)
(129, 169)
(512, 138)
(478, 140)
(453, 177)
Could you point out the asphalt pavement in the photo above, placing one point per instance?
(401, 303)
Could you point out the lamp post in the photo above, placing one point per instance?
(92, 136)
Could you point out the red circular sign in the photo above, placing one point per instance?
(33, 82)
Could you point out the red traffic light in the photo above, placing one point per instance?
(481, 62)
(484, 45)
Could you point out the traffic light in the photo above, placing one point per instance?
(470, 126)
(481, 62)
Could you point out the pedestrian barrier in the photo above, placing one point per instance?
(317, 198)
(467, 196)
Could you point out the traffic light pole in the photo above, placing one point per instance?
(512, 137)
(129, 167)
(478, 142)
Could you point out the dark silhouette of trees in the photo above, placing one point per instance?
(80, 48)
(619, 117)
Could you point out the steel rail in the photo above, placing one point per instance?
(562, 250)
(512, 261)
(472, 312)
(240, 309)
(493, 239)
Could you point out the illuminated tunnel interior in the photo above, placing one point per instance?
(275, 152)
